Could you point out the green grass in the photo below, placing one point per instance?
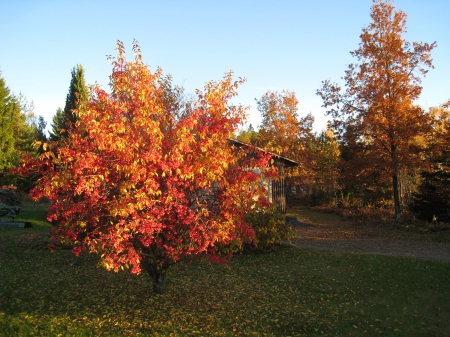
(293, 292)
(314, 217)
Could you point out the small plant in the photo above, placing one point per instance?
(270, 229)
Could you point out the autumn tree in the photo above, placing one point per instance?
(146, 179)
(282, 131)
(378, 103)
(325, 154)
(63, 120)
(248, 136)
(431, 201)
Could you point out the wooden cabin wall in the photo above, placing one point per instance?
(279, 188)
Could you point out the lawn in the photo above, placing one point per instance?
(335, 226)
(292, 292)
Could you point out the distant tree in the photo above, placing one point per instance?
(41, 133)
(378, 103)
(8, 118)
(58, 125)
(26, 127)
(283, 132)
(65, 119)
(248, 136)
(325, 163)
(431, 201)
(147, 180)
(18, 130)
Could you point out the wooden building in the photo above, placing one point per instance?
(276, 188)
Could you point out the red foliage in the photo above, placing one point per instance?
(145, 179)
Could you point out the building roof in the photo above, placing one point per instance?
(285, 161)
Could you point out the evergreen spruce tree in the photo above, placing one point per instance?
(9, 111)
(58, 124)
(18, 129)
(65, 119)
(432, 200)
(41, 125)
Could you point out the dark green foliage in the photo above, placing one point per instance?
(40, 129)
(8, 120)
(18, 129)
(65, 119)
(432, 201)
(318, 197)
(270, 229)
(58, 125)
(9, 197)
(77, 93)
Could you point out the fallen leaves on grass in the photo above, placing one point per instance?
(293, 292)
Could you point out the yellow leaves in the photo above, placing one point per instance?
(83, 224)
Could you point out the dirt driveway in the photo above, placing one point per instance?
(357, 239)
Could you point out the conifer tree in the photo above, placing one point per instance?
(58, 124)
(65, 119)
(7, 118)
(18, 130)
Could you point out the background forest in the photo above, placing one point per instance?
(381, 152)
(157, 185)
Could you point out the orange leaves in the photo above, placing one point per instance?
(147, 178)
(376, 116)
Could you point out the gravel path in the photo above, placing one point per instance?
(414, 249)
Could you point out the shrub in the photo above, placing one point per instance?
(270, 229)
(9, 197)
(432, 200)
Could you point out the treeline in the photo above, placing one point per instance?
(380, 149)
(23, 134)
(19, 128)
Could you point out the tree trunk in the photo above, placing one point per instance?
(154, 264)
(158, 276)
(397, 212)
(158, 283)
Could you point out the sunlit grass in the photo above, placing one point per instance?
(293, 292)
(314, 217)
(336, 225)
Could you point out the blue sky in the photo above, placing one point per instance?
(275, 44)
